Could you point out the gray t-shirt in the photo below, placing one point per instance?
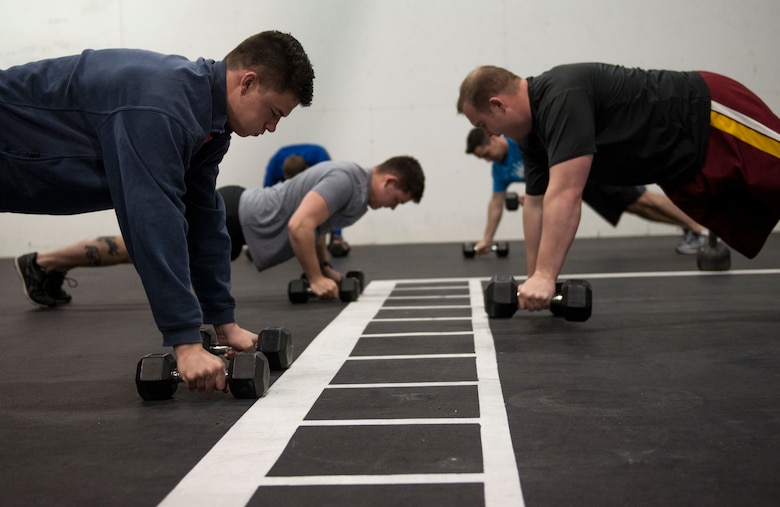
(265, 211)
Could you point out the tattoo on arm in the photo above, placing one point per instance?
(113, 247)
(93, 255)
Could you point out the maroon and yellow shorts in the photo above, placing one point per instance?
(737, 192)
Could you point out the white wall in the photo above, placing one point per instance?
(388, 73)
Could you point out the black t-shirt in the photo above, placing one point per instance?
(642, 126)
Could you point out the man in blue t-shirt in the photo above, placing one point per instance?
(608, 201)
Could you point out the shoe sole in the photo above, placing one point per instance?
(24, 287)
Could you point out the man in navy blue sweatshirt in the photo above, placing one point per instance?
(143, 133)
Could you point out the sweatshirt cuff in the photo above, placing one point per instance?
(181, 336)
(224, 316)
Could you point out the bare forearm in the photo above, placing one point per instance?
(303, 242)
(495, 211)
(559, 225)
(532, 229)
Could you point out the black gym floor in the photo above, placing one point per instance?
(668, 395)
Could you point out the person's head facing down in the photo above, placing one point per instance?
(268, 75)
(395, 181)
(292, 165)
(490, 148)
(490, 97)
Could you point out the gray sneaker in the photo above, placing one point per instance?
(691, 242)
(43, 288)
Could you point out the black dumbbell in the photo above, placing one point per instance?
(512, 201)
(299, 291)
(574, 300)
(359, 276)
(714, 255)
(274, 342)
(501, 249)
(157, 378)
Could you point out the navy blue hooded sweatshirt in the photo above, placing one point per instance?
(142, 133)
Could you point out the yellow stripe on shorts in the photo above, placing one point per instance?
(745, 129)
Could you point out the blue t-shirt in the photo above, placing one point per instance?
(510, 170)
(313, 154)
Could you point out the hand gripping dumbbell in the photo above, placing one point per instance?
(299, 291)
(501, 249)
(157, 377)
(275, 343)
(714, 255)
(574, 300)
(512, 201)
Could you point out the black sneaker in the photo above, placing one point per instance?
(338, 247)
(53, 286)
(42, 288)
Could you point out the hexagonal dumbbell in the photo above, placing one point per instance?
(714, 255)
(299, 291)
(359, 276)
(512, 201)
(156, 376)
(573, 301)
(275, 343)
(501, 249)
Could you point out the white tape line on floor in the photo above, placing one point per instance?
(257, 440)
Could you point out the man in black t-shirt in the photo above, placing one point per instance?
(710, 143)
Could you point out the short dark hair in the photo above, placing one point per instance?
(280, 63)
(476, 138)
(293, 165)
(485, 82)
(409, 173)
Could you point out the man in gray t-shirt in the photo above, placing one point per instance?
(264, 213)
(289, 219)
(292, 218)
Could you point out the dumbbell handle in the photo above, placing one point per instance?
(493, 247)
(176, 376)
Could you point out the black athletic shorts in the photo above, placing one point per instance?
(610, 201)
(230, 195)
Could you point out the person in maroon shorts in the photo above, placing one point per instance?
(709, 142)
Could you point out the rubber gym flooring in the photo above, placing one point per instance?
(410, 396)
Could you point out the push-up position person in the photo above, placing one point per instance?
(609, 201)
(290, 219)
(143, 133)
(292, 159)
(709, 142)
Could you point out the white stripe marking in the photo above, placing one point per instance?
(395, 298)
(347, 480)
(502, 482)
(403, 384)
(432, 307)
(638, 274)
(421, 319)
(745, 120)
(389, 422)
(427, 333)
(409, 356)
